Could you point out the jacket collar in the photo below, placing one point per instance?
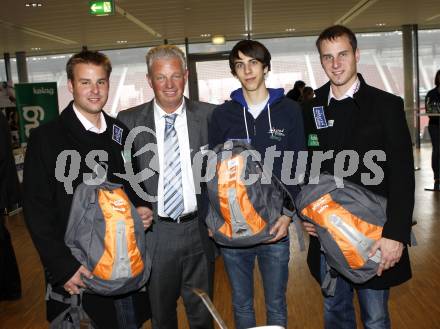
(360, 97)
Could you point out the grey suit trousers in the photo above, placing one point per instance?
(179, 264)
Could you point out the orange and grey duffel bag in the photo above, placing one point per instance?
(245, 200)
(348, 222)
(106, 235)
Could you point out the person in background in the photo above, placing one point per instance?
(296, 92)
(307, 94)
(432, 99)
(10, 284)
(7, 95)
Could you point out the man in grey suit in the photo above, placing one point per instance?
(177, 238)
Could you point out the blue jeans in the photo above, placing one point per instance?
(339, 309)
(273, 261)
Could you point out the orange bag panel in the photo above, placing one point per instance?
(229, 172)
(115, 206)
(320, 210)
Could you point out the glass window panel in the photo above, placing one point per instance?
(51, 68)
(2, 70)
(296, 58)
(215, 81)
(207, 47)
(128, 83)
(429, 64)
(14, 70)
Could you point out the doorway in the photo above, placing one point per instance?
(210, 79)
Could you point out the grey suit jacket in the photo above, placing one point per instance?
(198, 115)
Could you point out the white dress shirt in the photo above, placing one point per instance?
(189, 194)
(349, 93)
(88, 125)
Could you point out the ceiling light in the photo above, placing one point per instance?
(218, 40)
(35, 49)
(381, 24)
(205, 35)
(290, 29)
(33, 4)
(121, 41)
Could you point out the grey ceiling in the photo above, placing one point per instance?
(65, 25)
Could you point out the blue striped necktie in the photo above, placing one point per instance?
(172, 178)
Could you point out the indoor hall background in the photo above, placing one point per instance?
(413, 305)
(293, 58)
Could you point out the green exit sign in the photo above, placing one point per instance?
(101, 8)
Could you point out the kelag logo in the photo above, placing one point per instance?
(37, 103)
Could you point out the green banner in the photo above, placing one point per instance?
(37, 103)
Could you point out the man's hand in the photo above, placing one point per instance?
(391, 251)
(280, 229)
(75, 282)
(310, 228)
(146, 215)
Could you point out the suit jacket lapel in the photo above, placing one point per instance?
(193, 122)
(149, 159)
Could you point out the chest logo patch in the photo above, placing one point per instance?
(276, 134)
(312, 140)
(319, 115)
(117, 134)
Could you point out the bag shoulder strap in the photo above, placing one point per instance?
(73, 317)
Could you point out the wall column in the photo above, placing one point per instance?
(411, 80)
(22, 67)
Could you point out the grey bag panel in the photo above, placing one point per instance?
(115, 287)
(240, 228)
(77, 211)
(336, 259)
(354, 198)
(93, 241)
(121, 268)
(365, 204)
(214, 221)
(311, 192)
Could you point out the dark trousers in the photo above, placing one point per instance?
(10, 285)
(179, 264)
(434, 133)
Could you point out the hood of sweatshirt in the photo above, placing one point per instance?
(274, 96)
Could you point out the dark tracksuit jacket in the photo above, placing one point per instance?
(279, 124)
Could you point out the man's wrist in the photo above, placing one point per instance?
(287, 212)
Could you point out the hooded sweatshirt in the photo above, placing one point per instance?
(279, 125)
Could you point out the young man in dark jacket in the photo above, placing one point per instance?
(264, 118)
(82, 127)
(348, 114)
(432, 99)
